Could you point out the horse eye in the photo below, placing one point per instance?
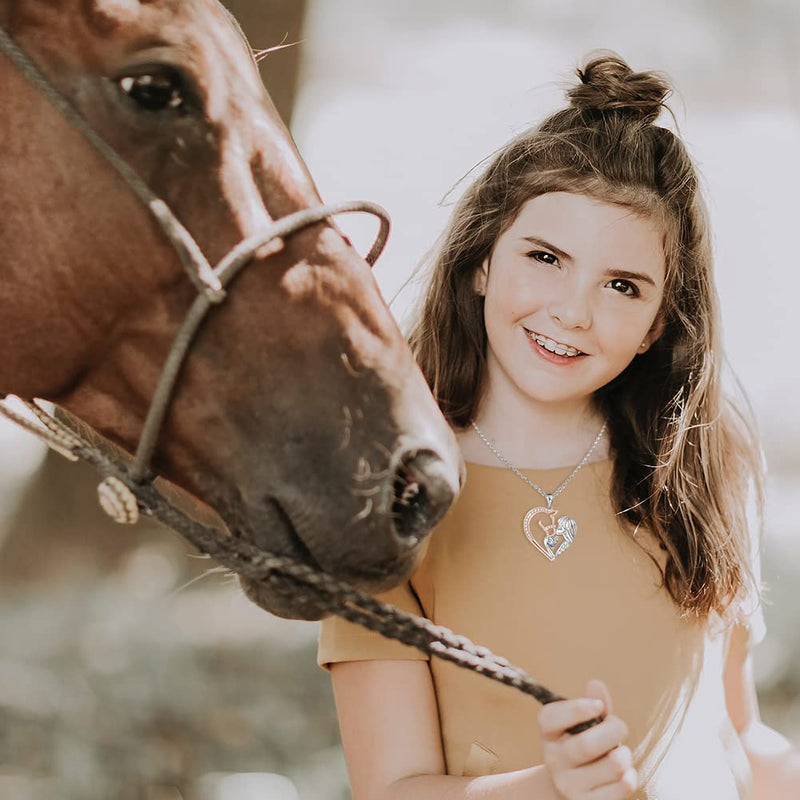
(154, 91)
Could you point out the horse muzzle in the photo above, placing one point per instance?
(371, 535)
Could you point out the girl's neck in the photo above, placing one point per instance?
(534, 435)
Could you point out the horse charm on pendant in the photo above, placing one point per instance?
(559, 532)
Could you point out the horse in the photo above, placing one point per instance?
(299, 415)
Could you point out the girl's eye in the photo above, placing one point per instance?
(543, 257)
(624, 287)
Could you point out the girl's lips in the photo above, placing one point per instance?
(548, 355)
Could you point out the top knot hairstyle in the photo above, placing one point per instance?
(609, 84)
(684, 456)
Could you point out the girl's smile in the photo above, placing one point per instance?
(550, 349)
(573, 290)
(549, 288)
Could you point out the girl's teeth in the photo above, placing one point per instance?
(554, 347)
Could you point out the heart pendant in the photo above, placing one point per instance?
(557, 533)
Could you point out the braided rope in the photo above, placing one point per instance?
(225, 272)
(63, 442)
(209, 282)
(328, 593)
(331, 595)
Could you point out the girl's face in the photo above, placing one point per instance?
(573, 290)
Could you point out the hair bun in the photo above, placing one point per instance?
(608, 83)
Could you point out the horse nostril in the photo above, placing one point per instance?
(408, 509)
(421, 495)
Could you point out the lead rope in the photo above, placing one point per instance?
(115, 499)
(331, 595)
(225, 272)
(194, 262)
(124, 491)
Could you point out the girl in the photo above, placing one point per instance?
(570, 335)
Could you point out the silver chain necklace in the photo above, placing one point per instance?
(558, 532)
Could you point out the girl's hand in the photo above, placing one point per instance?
(594, 764)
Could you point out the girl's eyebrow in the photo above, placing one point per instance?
(612, 273)
(542, 243)
(630, 276)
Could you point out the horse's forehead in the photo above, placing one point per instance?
(179, 22)
(102, 15)
(193, 26)
(105, 16)
(125, 19)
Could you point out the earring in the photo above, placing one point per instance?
(643, 345)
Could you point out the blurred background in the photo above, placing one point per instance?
(128, 673)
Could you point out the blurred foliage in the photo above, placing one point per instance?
(123, 688)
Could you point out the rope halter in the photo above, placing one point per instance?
(116, 499)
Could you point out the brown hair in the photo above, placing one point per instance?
(684, 455)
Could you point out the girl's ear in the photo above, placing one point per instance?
(481, 277)
(653, 335)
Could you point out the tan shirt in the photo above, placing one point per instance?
(597, 611)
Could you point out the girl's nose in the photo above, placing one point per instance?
(571, 308)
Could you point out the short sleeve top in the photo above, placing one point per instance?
(599, 610)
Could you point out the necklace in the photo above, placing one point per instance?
(558, 532)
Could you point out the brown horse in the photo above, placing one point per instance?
(300, 415)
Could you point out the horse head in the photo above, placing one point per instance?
(300, 416)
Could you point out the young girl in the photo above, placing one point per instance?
(570, 334)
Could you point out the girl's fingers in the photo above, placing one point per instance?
(555, 718)
(607, 770)
(623, 789)
(593, 743)
(596, 689)
(592, 765)
(614, 774)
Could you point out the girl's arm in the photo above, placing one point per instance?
(773, 760)
(392, 742)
